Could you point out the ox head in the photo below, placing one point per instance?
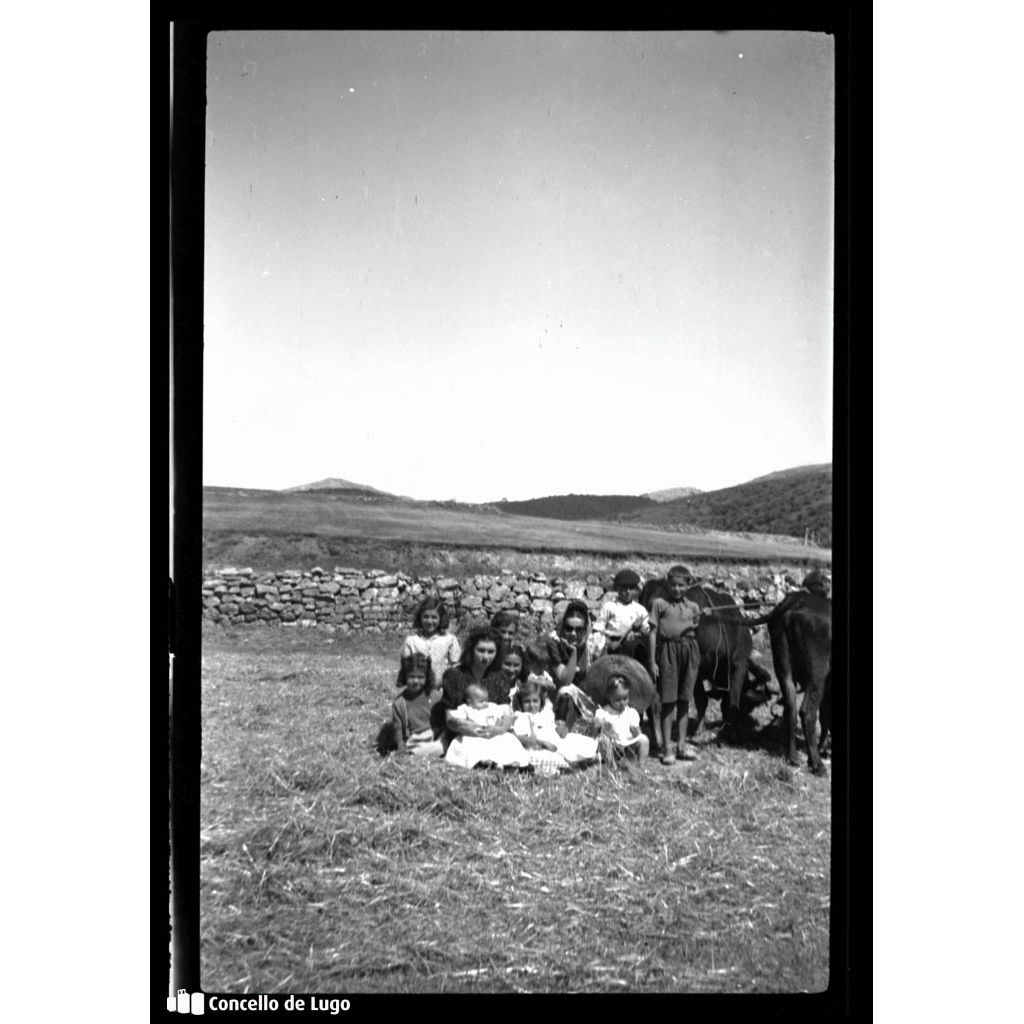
(817, 582)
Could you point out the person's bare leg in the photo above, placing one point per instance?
(668, 717)
(686, 752)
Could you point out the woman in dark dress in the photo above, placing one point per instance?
(568, 661)
(480, 662)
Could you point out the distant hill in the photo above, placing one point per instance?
(672, 493)
(334, 483)
(796, 473)
(787, 503)
(577, 506)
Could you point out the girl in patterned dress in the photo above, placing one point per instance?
(432, 637)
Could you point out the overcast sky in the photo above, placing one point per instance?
(478, 265)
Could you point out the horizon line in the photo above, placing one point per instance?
(498, 501)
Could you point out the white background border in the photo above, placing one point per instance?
(75, 458)
(947, 421)
(947, 424)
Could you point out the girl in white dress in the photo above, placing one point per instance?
(535, 726)
(549, 746)
(484, 745)
(620, 723)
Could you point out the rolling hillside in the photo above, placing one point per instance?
(577, 506)
(284, 530)
(788, 503)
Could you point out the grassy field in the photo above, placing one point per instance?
(274, 530)
(327, 869)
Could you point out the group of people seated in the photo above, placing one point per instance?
(498, 702)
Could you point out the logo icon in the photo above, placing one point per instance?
(184, 1003)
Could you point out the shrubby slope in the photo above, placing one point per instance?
(787, 503)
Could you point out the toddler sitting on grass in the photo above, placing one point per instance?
(550, 748)
(620, 724)
(535, 727)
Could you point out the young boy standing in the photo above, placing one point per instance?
(674, 660)
(623, 621)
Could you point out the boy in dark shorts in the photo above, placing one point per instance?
(674, 659)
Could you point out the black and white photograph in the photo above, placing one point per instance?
(518, 421)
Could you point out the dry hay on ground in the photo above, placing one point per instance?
(325, 868)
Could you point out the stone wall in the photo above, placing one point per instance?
(355, 600)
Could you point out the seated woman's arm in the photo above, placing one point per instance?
(565, 672)
(457, 723)
(505, 722)
(502, 725)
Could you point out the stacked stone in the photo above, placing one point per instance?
(375, 601)
(347, 598)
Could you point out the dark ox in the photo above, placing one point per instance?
(725, 646)
(800, 628)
